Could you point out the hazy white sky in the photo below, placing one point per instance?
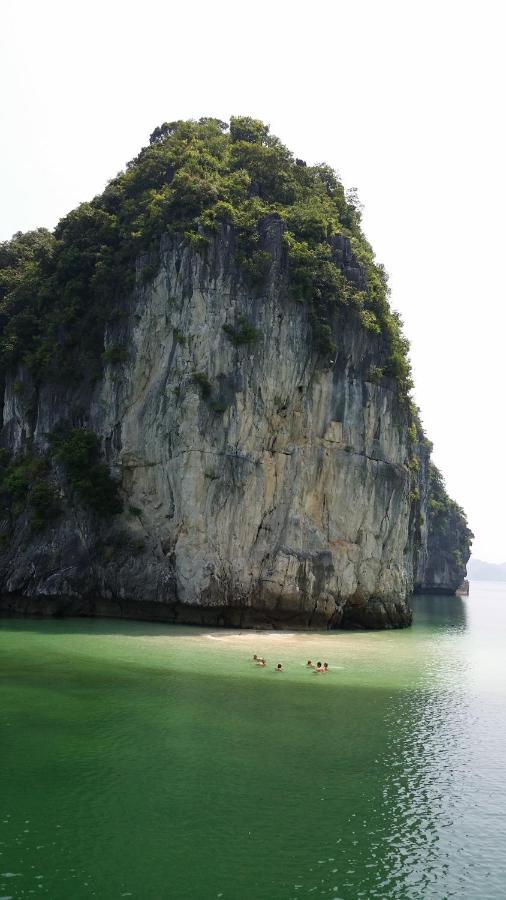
(405, 99)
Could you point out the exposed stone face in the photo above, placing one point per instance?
(441, 544)
(446, 556)
(282, 498)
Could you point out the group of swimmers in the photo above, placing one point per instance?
(319, 668)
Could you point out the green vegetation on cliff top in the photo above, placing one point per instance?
(58, 290)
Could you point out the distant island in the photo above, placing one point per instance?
(478, 570)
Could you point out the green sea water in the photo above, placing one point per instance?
(150, 761)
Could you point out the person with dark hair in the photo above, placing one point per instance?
(319, 668)
(279, 668)
(261, 661)
(310, 664)
(325, 667)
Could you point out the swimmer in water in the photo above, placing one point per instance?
(325, 667)
(279, 668)
(319, 668)
(261, 661)
(310, 664)
(255, 658)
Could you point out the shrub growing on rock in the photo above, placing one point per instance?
(78, 450)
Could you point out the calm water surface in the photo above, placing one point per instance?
(149, 761)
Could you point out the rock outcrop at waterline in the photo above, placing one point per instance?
(446, 545)
(263, 479)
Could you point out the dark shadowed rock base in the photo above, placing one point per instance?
(373, 615)
(377, 614)
(439, 590)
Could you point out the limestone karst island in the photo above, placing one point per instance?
(206, 403)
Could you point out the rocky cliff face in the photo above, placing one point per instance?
(446, 540)
(257, 486)
(205, 397)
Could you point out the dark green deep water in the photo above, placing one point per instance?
(149, 761)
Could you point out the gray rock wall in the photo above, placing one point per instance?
(446, 555)
(282, 497)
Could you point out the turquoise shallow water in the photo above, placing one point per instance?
(150, 761)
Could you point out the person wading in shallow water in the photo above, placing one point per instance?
(279, 668)
(319, 668)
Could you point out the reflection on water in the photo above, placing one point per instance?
(403, 835)
(429, 761)
(149, 761)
